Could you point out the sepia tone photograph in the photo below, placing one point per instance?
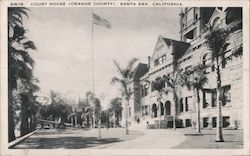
(125, 78)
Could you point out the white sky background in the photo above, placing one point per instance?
(63, 40)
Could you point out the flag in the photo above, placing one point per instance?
(100, 21)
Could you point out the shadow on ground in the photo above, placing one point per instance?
(233, 139)
(64, 142)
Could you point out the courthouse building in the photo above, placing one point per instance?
(189, 51)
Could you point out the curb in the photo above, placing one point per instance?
(13, 143)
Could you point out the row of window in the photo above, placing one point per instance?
(207, 123)
(206, 60)
(145, 110)
(160, 60)
(209, 97)
(225, 122)
(185, 103)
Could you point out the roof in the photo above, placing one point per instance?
(139, 71)
(179, 47)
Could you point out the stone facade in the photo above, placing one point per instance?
(191, 50)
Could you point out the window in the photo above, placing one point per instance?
(226, 121)
(162, 109)
(226, 95)
(181, 105)
(144, 90)
(214, 121)
(146, 110)
(214, 97)
(206, 60)
(233, 14)
(152, 88)
(206, 96)
(195, 13)
(142, 110)
(160, 60)
(191, 35)
(217, 22)
(190, 17)
(188, 123)
(188, 101)
(129, 111)
(205, 122)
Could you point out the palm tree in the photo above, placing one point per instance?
(217, 43)
(116, 108)
(195, 78)
(20, 63)
(29, 87)
(159, 85)
(123, 80)
(86, 110)
(173, 82)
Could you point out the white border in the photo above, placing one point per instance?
(4, 109)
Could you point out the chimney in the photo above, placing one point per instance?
(149, 58)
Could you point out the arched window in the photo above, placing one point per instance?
(216, 23)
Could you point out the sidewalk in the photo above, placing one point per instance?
(153, 139)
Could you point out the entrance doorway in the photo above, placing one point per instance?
(154, 110)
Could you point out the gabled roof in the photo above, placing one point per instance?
(139, 71)
(179, 47)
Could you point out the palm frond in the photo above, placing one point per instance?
(118, 67)
(29, 45)
(131, 63)
(116, 80)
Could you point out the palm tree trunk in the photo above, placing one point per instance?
(126, 118)
(198, 112)
(159, 115)
(175, 108)
(117, 120)
(93, 121)
(219, 137)
(11, 124)
(34, 122)
(88, 121)
(31, 123)
(24, 115)
(75, 120)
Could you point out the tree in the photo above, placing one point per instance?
(116, 109)
(20, 63)
(123, 80)
(217, 43)
(159, 85)
(173, 82)
(86, 110)
(28, 88)
(195, 78)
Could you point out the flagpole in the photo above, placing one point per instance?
(93, 68)
(93, 72)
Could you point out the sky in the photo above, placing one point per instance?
(63, 40)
